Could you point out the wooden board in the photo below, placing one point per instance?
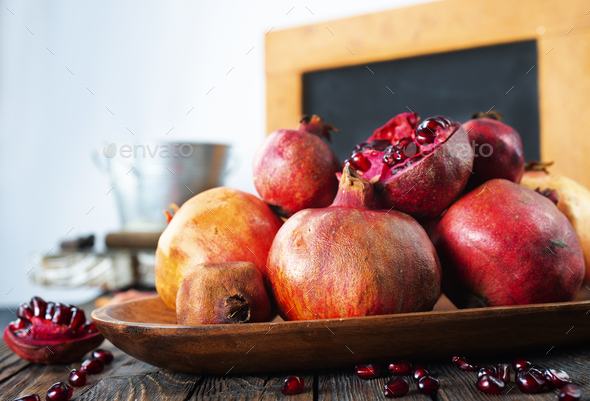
(146, 329)
(442, 26)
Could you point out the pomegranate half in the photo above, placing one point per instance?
(218, 225)
(418, 169)
(351, 260)
(295, 169)
(505, 244)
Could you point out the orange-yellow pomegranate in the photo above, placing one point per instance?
(571, 198)
(218, 225)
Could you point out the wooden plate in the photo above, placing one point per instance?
(146, 329)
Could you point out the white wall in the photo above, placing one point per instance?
(149, 62)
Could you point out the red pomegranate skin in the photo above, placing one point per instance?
(295, 169)
(506, 159)
(347, 260)
(504, 244)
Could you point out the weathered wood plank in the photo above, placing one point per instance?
(265, 387)
(10, 363)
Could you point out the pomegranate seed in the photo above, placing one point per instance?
(487, 370)
(379, 145)
(521, 363)
(464, 364)
(401, 368)
(556, 378)
(490, 384)
(503, 372)
(77, 378)
(397, 387)
(60, 391)
(389, 159)
(428, 385)
(419, 372)
(92, 366)
(90, 328)
(570, 393)
(367, 372)
(25, 311)
(49, 311)
(62, 314)
(78, 318)
(360, 162)
(32, 397)
(529, 381)
(18, 324)
(39, 306)
(103, 355)
(293, 385)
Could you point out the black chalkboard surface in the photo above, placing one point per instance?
(362, 98)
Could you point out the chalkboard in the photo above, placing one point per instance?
(456, 84)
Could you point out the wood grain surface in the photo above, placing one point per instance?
(129, 379)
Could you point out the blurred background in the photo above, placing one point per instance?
(76, 76)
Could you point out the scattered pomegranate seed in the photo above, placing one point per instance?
(487, 370)
(503, 372)
(103, 355)
(529, 381)
(401, 368)
(521, 363)
(464, 364)
(32, 397)
(419, 372)
(293, 385)
(556, 378)
(397, 387)
(490, 384)
(77, 378)
(92, 366)
(59, 392)
(570, 393)
(367, 372)
(428, 385)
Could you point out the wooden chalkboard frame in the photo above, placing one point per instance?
(560, 28)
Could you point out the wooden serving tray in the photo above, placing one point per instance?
(146, 329)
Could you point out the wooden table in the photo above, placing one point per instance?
(130, 379)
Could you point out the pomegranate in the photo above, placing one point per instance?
(103, 355)
(521, 363)
(60, 391)
(216, 293)
(397, 387)
(417, 169)
(529, 381)
(295, 169)
(92, 366)
(497, 149)
(48, 332)
(403, 368)
(367, 372)
(487, 370)
(419, 372)
(218, 225)
(504, 244)
(465, 364)
(293, 385)
(556, 378)
(428, 385)
(78, 378)
(570, 393)
(372, 262)
(503, 372)
(572, 199)
(490, 384)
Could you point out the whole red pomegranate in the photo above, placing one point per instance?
(417, 169)
(295, 169)
(571, 198)
(504, 244)
(218, 225)
(349, 260)
(498, 149)
(51, 332)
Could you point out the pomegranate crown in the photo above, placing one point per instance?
(354, 191)
(492, 115)
(314, 125)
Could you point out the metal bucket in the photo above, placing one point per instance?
(146, 179)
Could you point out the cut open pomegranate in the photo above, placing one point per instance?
(48, 332)
(419, 168)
